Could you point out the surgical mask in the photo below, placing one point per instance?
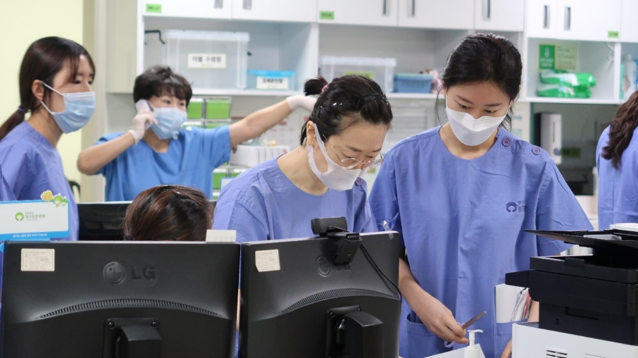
(78, 109)
(335, 177)
(470, 131)
(169, 122)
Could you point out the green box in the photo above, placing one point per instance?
(195, 109)
(326, 15)
(217, 108)
(154, 8)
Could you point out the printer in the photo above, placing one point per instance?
(588, 304)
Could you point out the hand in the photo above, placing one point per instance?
(301, 101)
(141, 122)
(507, 352)
(440, 321)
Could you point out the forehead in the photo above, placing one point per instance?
(480, 93)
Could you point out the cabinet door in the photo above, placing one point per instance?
(628, 23)
(275, 10)
(217, 9)
(543, 18)
(499, 15)
(437, 14)
(358, 12)
(589, 20)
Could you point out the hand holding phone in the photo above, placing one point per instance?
(144, 119)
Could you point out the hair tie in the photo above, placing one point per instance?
(324, 88)
(20, 109)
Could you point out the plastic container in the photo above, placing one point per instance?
(271, 80)
(207, 59)
(378, 69)
(412, 83)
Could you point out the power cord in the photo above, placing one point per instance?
(376, 268)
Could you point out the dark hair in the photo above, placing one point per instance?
(168, 213)
(160, 80)
(621, 130)
(482, 57)
(356, 97)
(42, 61)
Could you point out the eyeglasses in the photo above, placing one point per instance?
(351, 163)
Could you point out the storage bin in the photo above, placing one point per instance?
(378, 69)
(271, 80)
(207, 59)
(412, 83)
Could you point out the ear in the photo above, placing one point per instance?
(38, 90)
(311, 133)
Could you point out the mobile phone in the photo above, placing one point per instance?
(143, 104)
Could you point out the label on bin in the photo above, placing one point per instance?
(206, 60)
(272, 83)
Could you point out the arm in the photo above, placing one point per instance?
(259, 122)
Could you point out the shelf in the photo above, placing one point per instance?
(570, 100)
(238, 92)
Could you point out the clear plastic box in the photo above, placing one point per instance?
(208, 59)
(380, 70)
(271, 80)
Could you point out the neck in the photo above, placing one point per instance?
(158, 145)
(461, 150)
(44, 124)
(296, 167)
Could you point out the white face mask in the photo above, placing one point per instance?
(470, 131)
(336, 177)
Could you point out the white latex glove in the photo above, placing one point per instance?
(297, 101)
(141, 122)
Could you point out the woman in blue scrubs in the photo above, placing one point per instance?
(616, 160)
(321, 178)
(157, 150)
(55, 86)
(462, 196)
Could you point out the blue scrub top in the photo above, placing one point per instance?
(463, 225)
(31, 166)
(6, 193)
(617, 188)
(263, 204)
(189, 161)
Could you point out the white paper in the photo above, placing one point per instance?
(506, 299)
(267, 260)
(458, 353)
(207, 60)
(37, 260)
(221, 235)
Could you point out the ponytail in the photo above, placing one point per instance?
(621, 131)
(16, 118)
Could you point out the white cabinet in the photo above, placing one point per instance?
(275, 10)
(499, 15)
(358, 12)
(585, 20)
(628, 23)
(216, 9)
(448, 14)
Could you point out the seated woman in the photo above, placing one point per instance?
(168, 213)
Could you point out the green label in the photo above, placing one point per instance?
(613, 34)
(326, 15)
(546, 57)
(154, 8)
(370, 75)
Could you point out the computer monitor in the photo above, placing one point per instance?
(119, 299)
(296, 302)
(102, 221)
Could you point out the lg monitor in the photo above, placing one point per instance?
(102, 221)
(119, 299)
(321, 297)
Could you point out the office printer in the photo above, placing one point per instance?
(588, 304)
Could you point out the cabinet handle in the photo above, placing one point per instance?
(568, 18)
(385, 7)
(487, 10)
(546, 17)
(219, 4)
(248, 4)
(413, 12)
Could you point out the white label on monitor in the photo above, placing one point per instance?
(221, 235)
(267, 260)
(206, 60)
(38, 260)
(272, 83)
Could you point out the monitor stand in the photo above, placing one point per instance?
(132, 338)
(352, 333)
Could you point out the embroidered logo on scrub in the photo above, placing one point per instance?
(515, 206)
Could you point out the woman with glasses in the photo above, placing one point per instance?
(462, 195)
(320, 178)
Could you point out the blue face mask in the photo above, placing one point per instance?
(169, 122)
(78, 109)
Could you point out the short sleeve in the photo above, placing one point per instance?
(109, 167)
(558, 210)
(217, 145)
(6, 193)
(18, 164)
(383, 198)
